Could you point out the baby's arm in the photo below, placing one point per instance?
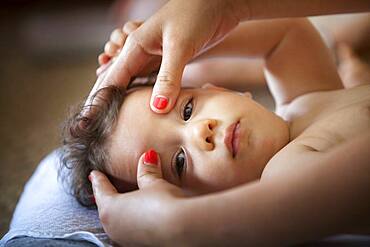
(296, 59)
(315, 202)
(230, 73)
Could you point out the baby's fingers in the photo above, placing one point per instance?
(118, 37)
(111, 49)
(116, 41)
(103, 58)
(131, 26)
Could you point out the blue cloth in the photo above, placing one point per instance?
(49, 242)
(46, 211)
(47, 216)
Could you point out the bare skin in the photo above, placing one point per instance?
(310, 182)
(160, 38)
(124, 145)
(353, 71)
(233, 73)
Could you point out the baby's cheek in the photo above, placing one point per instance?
(208, 178)
(171, 180)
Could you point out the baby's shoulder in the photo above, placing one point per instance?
(292, 157)
(321, 108)
(330, 119)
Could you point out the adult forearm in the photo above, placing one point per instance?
(252, 39)
(266, 9)
(323, 199)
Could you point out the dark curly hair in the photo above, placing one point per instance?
(85, 135)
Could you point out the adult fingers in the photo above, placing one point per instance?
(168, 84)
(102, 188)
(149, 169)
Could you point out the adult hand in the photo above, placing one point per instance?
(142, 217)
(181, 30)
(178, 32)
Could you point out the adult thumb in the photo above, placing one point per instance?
(102, 187)
(168, 84)
(149, 169)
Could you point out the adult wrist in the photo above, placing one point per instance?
(175, 224)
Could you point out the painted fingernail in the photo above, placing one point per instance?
(151, 157)
(160, 102)
(92, 199)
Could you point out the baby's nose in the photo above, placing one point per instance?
(203, 134)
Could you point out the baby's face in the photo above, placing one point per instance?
(191, 139)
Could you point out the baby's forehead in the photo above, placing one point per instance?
(137, 102)
(139, 98)
(146, 90)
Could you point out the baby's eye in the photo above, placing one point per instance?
(188, 110)
(180, 162)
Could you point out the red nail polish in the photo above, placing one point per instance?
(92, 199)
(160, 102)
(151, 157)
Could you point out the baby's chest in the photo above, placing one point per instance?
(337, 127)
(318, 138)
(319, 123)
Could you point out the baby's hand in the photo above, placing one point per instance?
(115, 44)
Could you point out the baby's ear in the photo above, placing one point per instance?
(212, 86)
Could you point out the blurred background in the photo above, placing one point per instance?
(49, 51)
(48, 60)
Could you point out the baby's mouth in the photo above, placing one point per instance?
(232, 138)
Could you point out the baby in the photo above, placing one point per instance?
(215, 138)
